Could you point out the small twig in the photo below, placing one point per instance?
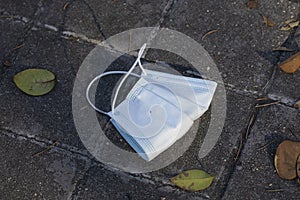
(267, 104)
(8, 16)
(249, 125)
(254, 113)
(17, 47)
(268, 84)
(208, 33)
(262, 99)
(84, 107)
(292, 132)
(264, 146)
(240, 148)
(66, 6)
(45, 150)
(130, 39)
(261, 27)
(276, 190)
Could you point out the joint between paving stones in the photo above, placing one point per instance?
(11, 56)
(64, 35)
(167, 10)
(67, 149)
(42, 142)
(90, 162)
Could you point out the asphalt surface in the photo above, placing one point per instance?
(58, 35)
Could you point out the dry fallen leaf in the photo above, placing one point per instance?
(66, 6)
(193, 180)
(292, 64)
(268, 22)
(289, 25)
(297, 104)
(298, 168)
(294, 24)
(35, 82)
(286, 158)
(282, 49)
(252, 4)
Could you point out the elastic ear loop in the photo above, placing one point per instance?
(99, 77)
(137, 61)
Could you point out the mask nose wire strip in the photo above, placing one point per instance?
(137, 61)
(99, 77)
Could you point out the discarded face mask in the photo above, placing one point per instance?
(159, 109)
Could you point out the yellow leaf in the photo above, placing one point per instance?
(193, 180)
(294, 24)
(289, 25)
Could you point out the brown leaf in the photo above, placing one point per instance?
(268, 22)
(286, 158)
(6, 63)
(252, 4)
(298, 168)
(292, 64)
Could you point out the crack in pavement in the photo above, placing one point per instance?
(12, 55)
(263, 93)
(43, 142)
(69, 35)
(95, 19)
(83, 155)
(81, 36)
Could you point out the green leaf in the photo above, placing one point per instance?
(35, 82)
(193, 180)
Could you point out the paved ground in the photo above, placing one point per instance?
(58, 35)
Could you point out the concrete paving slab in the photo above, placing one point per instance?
(25, 8)
(255, 176)
(284, 85)
(51, 175)
(99, 183)
(101, 19)
(220, 160)
(10, 32)
(242, 38)
(94, 19)
(114, 16)
(241, 47)
(48, 116)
